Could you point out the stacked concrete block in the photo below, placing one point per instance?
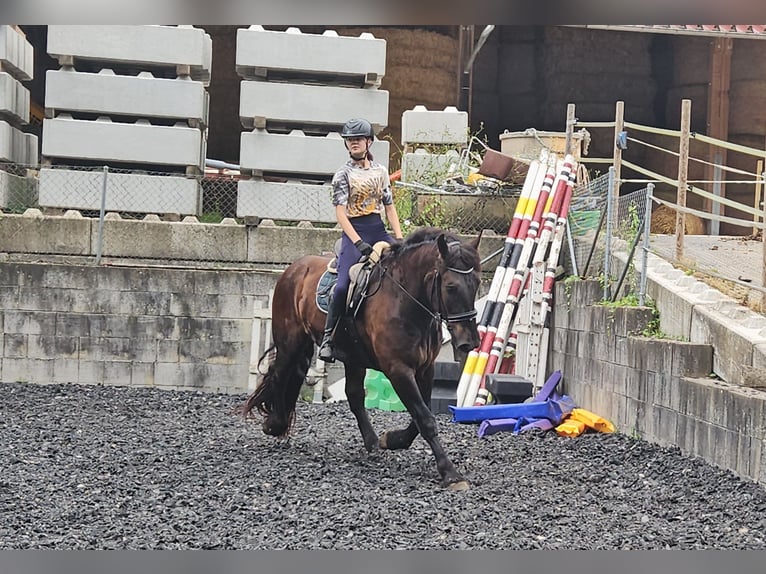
(16, 146)
(432, 140)
(297, 91)
(101, 111)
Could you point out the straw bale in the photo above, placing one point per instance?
(434, 87)
(748, 60)
(664, 222)
(691, 60)
(747, 107)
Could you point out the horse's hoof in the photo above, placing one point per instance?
(458, 486)
(382, 442)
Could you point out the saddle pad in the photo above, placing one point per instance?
(324, 290)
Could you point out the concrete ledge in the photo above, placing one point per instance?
(63, 235)
(64, 137)
(293, 201)
(143, 96)
(71, 189)
(301, 103)
(269, 243)
(17, 146)
(201, 242)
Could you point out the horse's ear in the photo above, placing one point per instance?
(441, 241)
(475, 242)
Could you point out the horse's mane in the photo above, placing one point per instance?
(429, 235)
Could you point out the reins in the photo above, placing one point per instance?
(437, 316)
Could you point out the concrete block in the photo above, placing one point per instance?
(129, 192)
(17, 192)
(135, 45)
(732, 343)
(691, 359)
(272, 244)
(108, 93)
(167, 350)
(15, 345)
(293, 201)
(50, 347)
(104, 140)
(117, 373)
(200, 376)
(23, 370)
(446, 127)
(360, 60)
(28, 322)
(142, 374)
(15, 146)
(14, 99)
(91, 372)
(429, 168)
(51, 234)
(262, 151)
(65, 370)
(174, 240)
(290, 103)
(16, 53)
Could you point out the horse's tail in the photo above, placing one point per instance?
(277, 391)
(260, 398)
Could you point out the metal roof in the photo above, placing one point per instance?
(756, 32)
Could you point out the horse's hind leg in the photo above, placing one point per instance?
(355, 395)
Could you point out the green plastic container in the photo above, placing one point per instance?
(380, 394)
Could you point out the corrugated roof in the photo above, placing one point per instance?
(715, 30)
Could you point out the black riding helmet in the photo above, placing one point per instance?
(357, 127)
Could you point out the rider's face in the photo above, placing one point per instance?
(357, 145)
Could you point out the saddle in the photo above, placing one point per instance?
(359, 275)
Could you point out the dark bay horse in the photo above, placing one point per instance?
(430, 277)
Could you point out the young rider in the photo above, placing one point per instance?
(360, 187)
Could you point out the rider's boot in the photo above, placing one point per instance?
(326, 347)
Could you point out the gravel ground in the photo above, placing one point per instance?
(106, 468)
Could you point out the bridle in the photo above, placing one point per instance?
(441, 314)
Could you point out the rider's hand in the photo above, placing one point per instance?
(364, 248)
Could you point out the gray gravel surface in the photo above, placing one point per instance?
(104, 467)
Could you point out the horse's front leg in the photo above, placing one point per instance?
(355, 395)
(403, 438)
(404, 384)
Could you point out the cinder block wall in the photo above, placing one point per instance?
(169, 328)
(656, 389)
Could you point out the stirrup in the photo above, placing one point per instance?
(326, 352)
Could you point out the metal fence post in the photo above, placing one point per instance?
(100, 239)
(608, 234)
(645, 253)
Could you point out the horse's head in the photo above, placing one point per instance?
(459, 269)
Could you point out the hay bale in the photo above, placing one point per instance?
(698, 95)
(691, 60)
(747, 107)
(748, 60)
(602, 88)
(664, 222)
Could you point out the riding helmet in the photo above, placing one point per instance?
(357, 127)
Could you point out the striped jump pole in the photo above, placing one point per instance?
(477, 358)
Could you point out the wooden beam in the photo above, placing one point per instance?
(718, 117)
(683, 166)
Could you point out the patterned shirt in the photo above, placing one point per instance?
(361, 190)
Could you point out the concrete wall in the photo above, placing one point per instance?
(656, 389)
(129, 326)
(72, 234)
